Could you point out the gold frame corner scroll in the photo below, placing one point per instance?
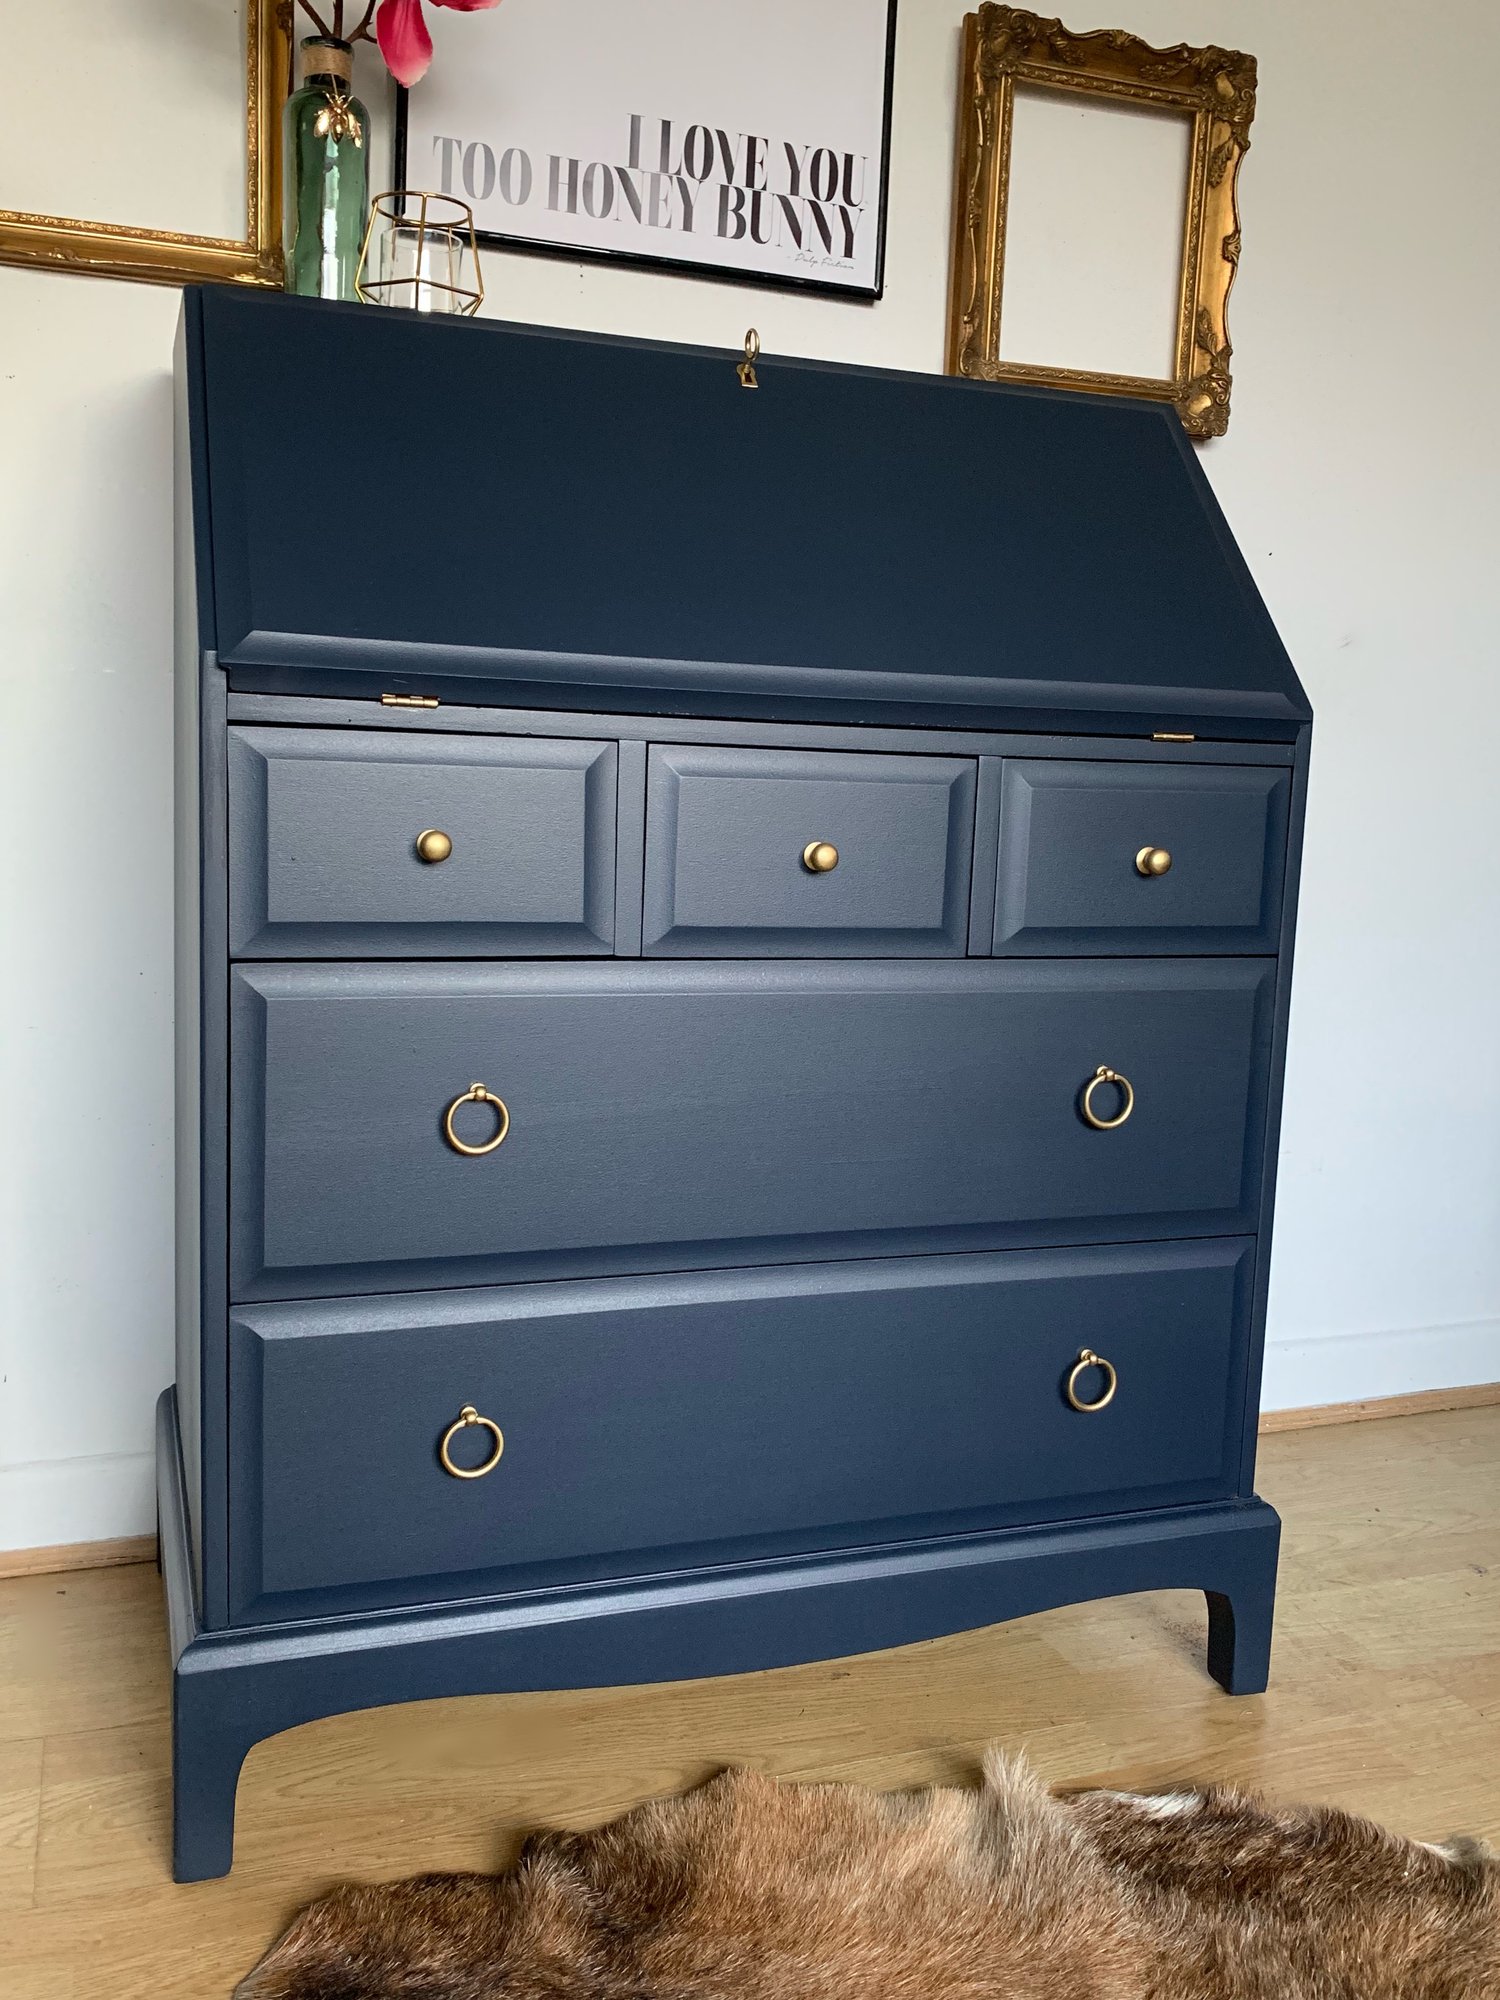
(160, 256)
(1215, 88)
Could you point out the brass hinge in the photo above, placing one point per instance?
(408, 701)
(1158, 736)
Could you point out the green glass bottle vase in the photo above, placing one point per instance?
(326, 163)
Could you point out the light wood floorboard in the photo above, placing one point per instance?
(1385, 1698)
(79, 1555)
(1417, 1402)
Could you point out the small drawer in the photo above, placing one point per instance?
(654, 1424)
(361, 843)
(806, 854)
(1134, 858)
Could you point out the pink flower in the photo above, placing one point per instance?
(402, 34)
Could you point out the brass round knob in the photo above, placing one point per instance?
(1086, 1102)
(1152, 861)
(468, 1416)
(819, 856)
(1086, 1360)
(477, 1094)
(433, 844)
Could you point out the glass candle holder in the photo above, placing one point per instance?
(420, 252)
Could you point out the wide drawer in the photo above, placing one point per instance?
(656, 1423)
(671, 1117)
(359, 843)
(1140, 857)
(806, 854)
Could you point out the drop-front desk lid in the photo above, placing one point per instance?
(490, 511)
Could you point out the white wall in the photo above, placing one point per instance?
(1360, 474)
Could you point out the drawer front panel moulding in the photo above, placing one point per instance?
(1132, 858)
(665, 1423)
(810, 854)
(349, 845)
(661, 1119)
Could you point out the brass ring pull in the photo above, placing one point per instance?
(1086, 1103)
(433, 844)
(1152, 861)
(477, 1094)
(469, 1415)
(1089, 1359)
(746, 368)
(819, 856)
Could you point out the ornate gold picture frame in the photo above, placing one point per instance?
(116, 250)
(1214, 88)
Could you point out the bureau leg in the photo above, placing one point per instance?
(1239, 1636)
(206, 1760)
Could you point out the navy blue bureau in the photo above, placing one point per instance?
(733, 972)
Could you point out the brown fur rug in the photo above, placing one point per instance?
(752, 1890)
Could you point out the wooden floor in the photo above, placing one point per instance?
(1385, 1698)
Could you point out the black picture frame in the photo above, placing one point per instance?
(688, 267)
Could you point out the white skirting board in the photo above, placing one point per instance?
(1360, 1367)
(77, 1500)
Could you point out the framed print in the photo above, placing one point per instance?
(694, 135)
(166, 162)
(1096, 226)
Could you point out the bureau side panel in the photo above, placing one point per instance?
(187, 944)
(1275, 1087)
(200, 1000)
